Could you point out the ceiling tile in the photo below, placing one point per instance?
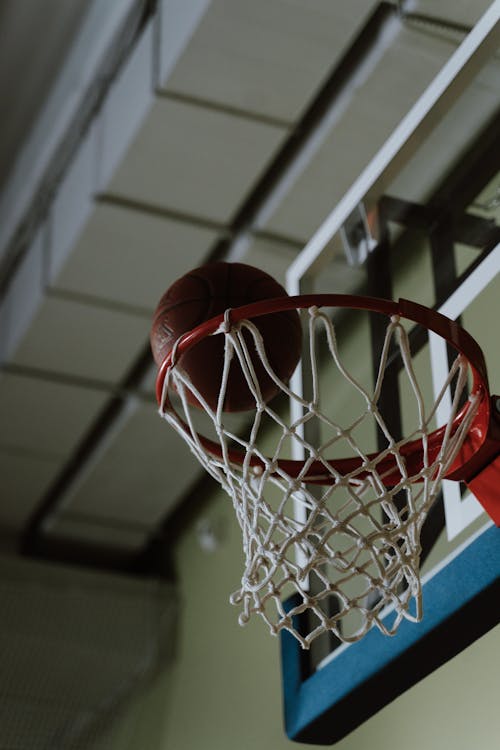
(142, 474)
(23, 296)
(44, 419)
(176, 24)
(148, 384)
(408, 66)
(34, 58)
(75, 338)
(73, 203)
(24, 478)
(131, 257)
(457, 11)
(195, 161)
(242, 54)
(276, 257)
(126, 105)
(457, 128)
(271, 256)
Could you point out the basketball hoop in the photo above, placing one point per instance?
(324, 529)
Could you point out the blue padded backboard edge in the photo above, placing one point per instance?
(461, 603)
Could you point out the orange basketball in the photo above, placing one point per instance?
(206, 292)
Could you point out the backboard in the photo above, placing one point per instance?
(422, 222)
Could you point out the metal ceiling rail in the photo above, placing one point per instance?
(108, 32)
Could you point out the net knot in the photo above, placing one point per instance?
(173, 355)
(227, 325)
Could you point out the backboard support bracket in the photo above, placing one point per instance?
(357, 238)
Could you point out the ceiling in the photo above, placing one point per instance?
(200, 130)
(29, 63)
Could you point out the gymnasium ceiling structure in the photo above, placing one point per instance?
(145, 139)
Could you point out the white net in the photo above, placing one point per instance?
(343, 552)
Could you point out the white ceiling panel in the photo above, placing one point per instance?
(195, 161)
(74, 203)
(43, 418)
(271, 256)
(243, 53)
(19, 32)
(23, 480)
(393, 86)
(461, 125)
(148, 385)
(24, 296)
(276, 257)
(131, 257)
(127, 104)
(75, 338)
(141, 475)
(466, 12)
(177, 22)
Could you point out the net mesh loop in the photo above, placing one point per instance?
(345, 555)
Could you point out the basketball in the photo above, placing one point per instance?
(206, 292)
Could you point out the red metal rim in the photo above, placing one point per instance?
(446, 328)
